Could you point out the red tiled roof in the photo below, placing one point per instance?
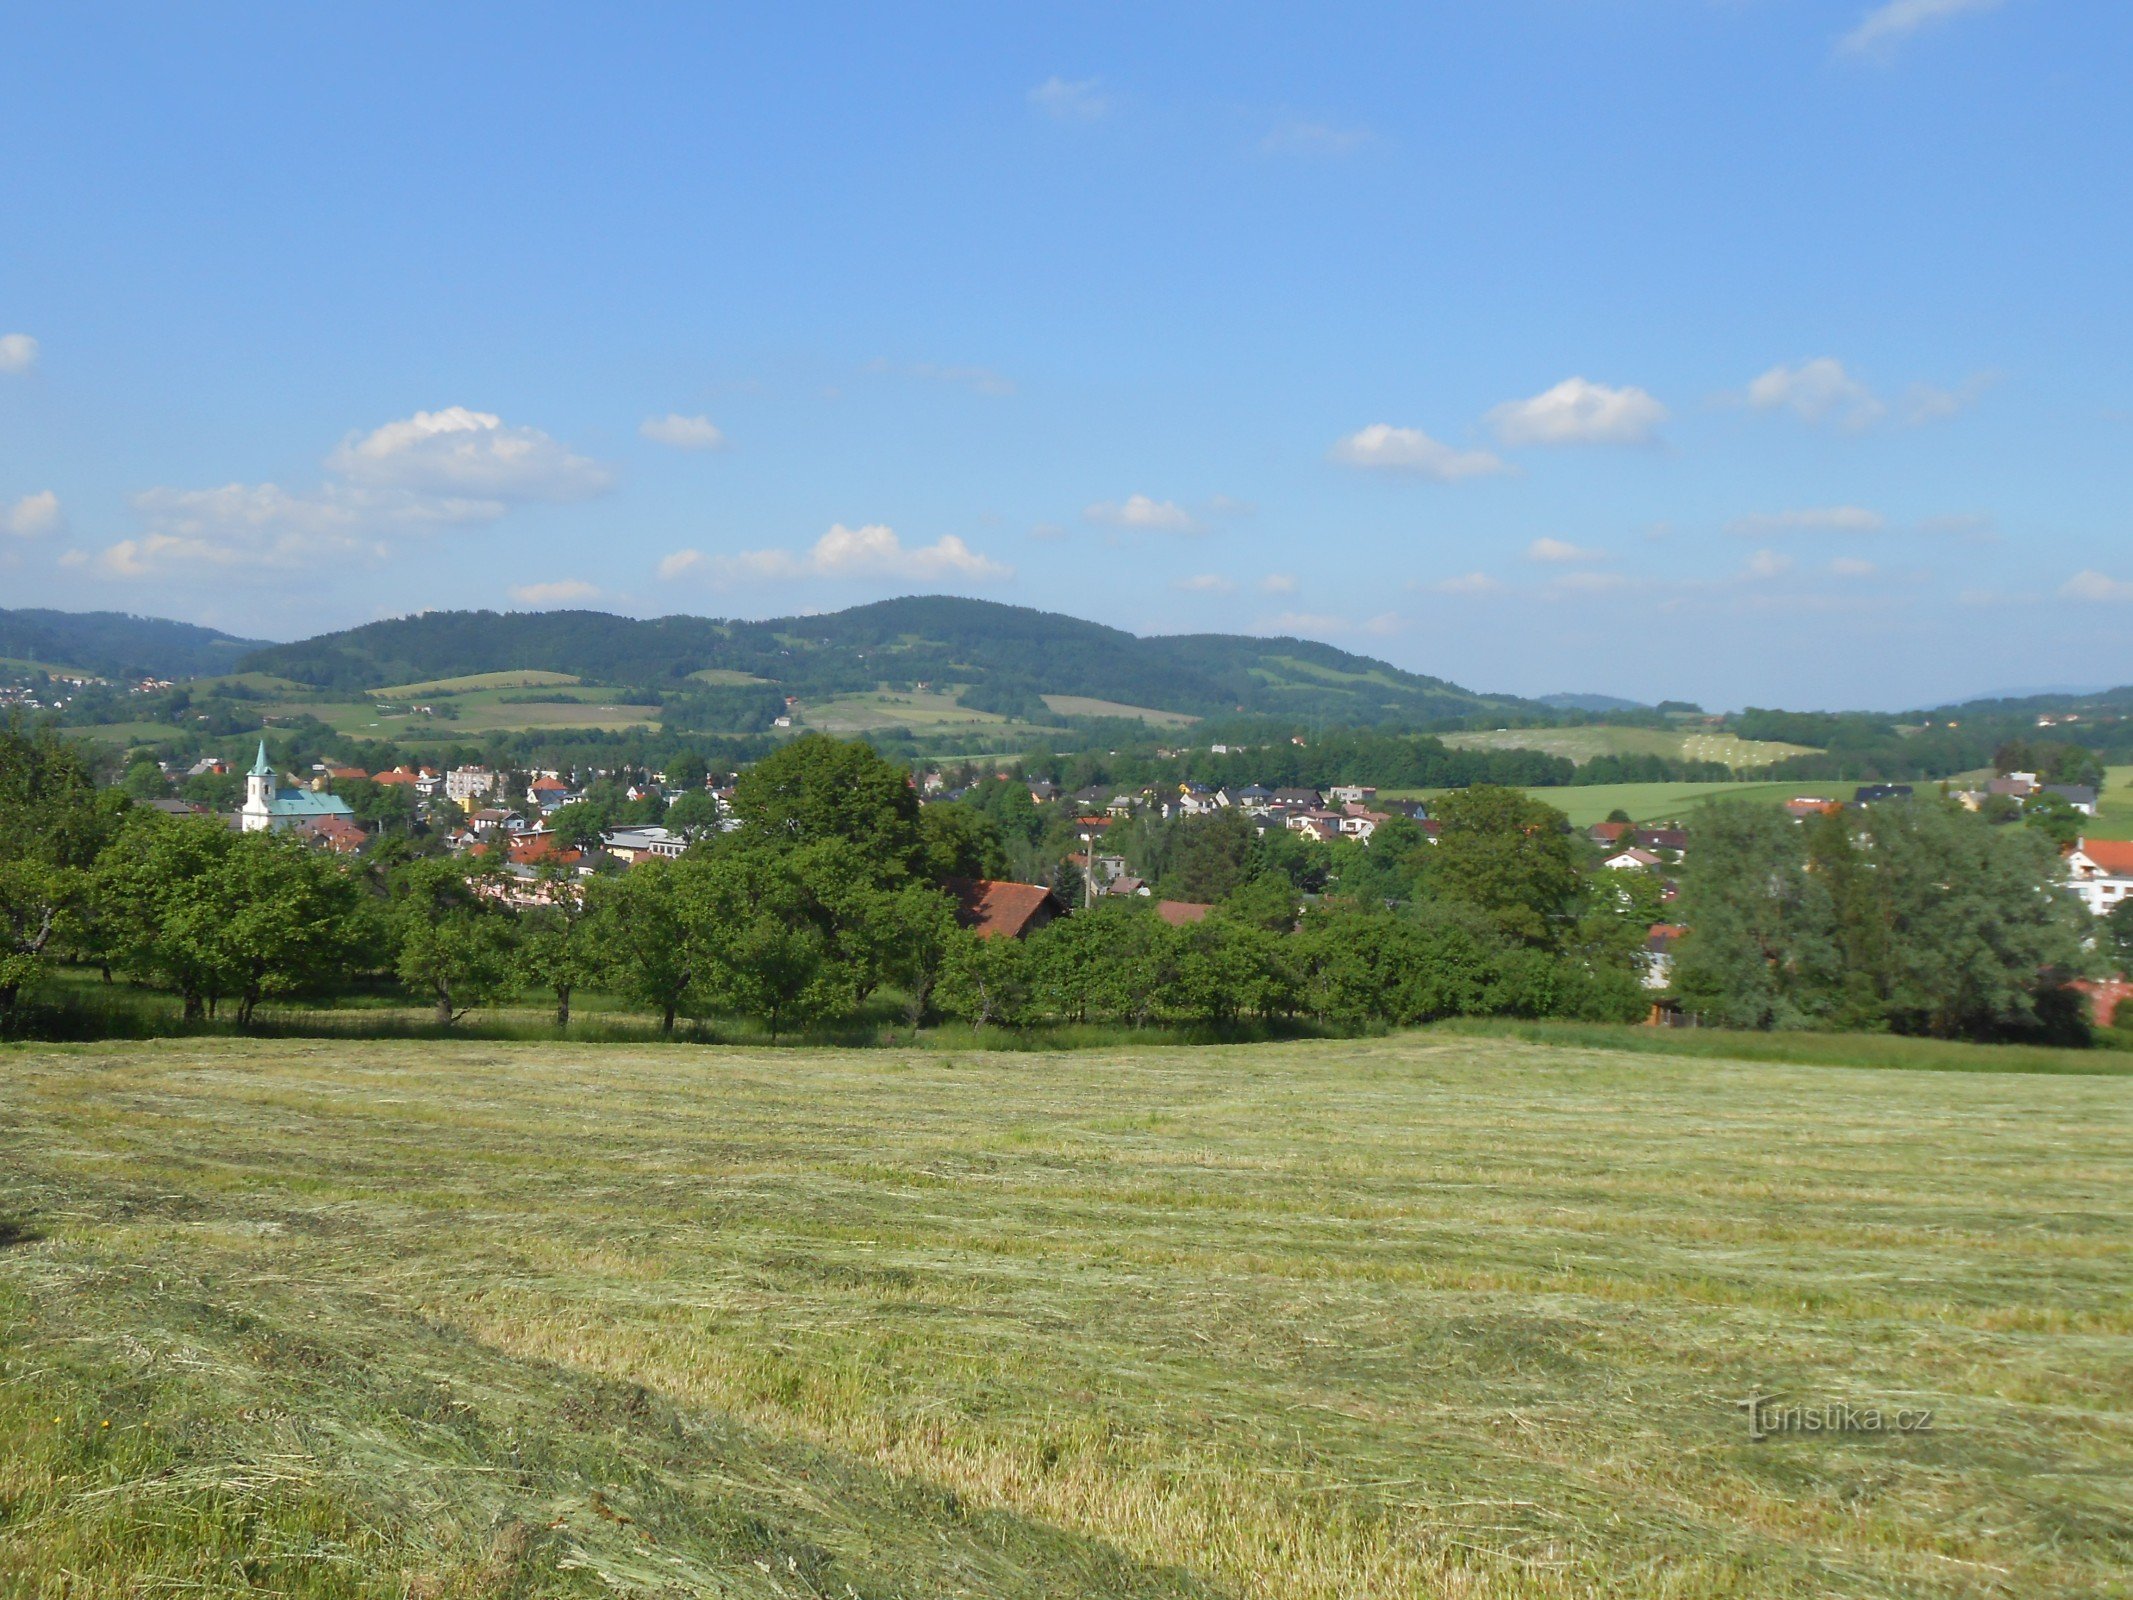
(990, 907)
(396, 776)
(527, 849)
(1609, 832)
(2115, 856)
(1179, 912)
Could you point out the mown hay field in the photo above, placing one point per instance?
(1428, 1315)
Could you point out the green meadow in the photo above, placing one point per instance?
(1447, 1313)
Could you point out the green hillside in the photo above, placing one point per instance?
(115, 644)
(995, 658)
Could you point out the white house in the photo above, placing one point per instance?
(1631, 860)
(2101, 872)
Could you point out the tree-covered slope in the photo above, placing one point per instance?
(114, 644)
(1004, 658)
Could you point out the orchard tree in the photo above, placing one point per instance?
(819, 788)
(556, 949)
(1509, 857)
(454, 943)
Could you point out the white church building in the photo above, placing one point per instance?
(269, 807)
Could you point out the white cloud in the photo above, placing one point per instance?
(1887, 26)
(1470, 583)
(1817, 391)
(1925, 402)
(872, 551)
(33, 516)
(18, 352)
(1578, 412)
(1144, 515)
(1205, 583)
(1560, 552)
(1768, 564)
(679, 562)
(683, 433)
(1301, 138)
(1384, 447)
(457, 453)
(1814, 519)
(1853, 567)
(1071, 100)
(558, 592)
(2093, 585)
(250, 526)
(1278, 583)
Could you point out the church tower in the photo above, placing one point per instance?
(259, 787)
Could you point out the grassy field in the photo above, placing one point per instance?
(1582, 744)
(2114, 806)
(527, 678)
(920, 710)
(1585, 804)
(1434, 1315)
(1081, 705)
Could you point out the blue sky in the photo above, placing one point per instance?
(1750, 351)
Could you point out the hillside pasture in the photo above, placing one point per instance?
(1587, 803)
(919, 710)
(1430, 1315)
(724, 677)
(1582, 744)
(2114, 806)
(1081, 705)
(527, 678)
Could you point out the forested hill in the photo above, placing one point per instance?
(1002, 658)
(114, 644)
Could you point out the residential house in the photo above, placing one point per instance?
(993, 909)
(1631, 860)
(1608, 833)
(633, 845)
(1300, 799)
(1351, 793)
(2080, 796)
(1659, 953)
(342, 835)
(2101, 872)
(494, 819)
(1801, 807)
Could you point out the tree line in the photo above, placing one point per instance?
(836, 898)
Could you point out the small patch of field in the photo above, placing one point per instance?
(2114, 806)
(1081, 705)
(24, 664)
(1301, 674)
(1649, 803)
(920, 710)
(126, 732)
(1585, 804)
(257, 682)
(724, 675)
(526, 679)
(1428, 1315)
(1582, 744)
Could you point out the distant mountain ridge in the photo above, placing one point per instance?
(1003, 658)
(117, 644)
